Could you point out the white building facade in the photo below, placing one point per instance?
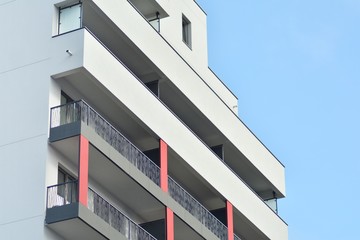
(114, 127)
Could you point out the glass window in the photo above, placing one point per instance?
(65, 98)
(155, 23)
(69, 18)
(64, 177)
(186, 31)
(67, 112)
(272, 203)
(67, 188)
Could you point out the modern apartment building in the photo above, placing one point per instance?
(114, 127)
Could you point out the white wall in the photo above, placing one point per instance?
(171, 29)
(196, 90)
(197, 55)
(184, 143)
(25, 62)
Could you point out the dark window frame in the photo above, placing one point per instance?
(186, 31)
(70, 6)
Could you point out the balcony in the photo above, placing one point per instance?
(77, 113)
(120, 90)
(247, 155)
(195, 208)
(68, 120)
(145, 59)
(65, 215)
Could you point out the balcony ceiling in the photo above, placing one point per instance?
(149, 8)
(183, 231)
(142, 67)
(125, 190)
(87, 88)
(119, 43)
(76, 229)
(106, 176)
(212, 136)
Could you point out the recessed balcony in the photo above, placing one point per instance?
(113, 88)
(112, 37)
(196, 209)
(72, 220)
(146, 70)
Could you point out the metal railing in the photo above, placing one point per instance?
(236, 237)
(195, 208)
(65, 193)
(81, 111)
(62, 194)
(272, 203)
(115, 218)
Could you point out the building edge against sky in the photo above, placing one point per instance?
(114, 127)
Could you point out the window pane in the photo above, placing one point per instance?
(70, 18)
(156, 24)
(61, 176)
(186, 31)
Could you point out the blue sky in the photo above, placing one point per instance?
(295, 67)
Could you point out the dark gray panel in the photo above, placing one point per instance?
(61, 213)
(65, 131)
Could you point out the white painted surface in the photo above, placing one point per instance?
(197, 55)
(196, 90)
(122, 84)
(30, 56)
(28, 228)
(25, 66)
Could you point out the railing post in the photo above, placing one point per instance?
(83, 170)
(88, 114)
(129, 223)
(47, 197)
(51, 117)
(71, 192)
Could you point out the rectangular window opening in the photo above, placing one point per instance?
(70, 18)
(186, 31)
(67, 188)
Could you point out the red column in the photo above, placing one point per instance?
(170, 235)
(230, 220)
(163, 166)
(83, 170)
(169, 215)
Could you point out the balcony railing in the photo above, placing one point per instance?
(236, 237)
(272, 203)
(195, 208)
(115, 218)
(80, 110)
(62, 194)
(66, 193)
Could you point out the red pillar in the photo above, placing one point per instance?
(170, 234)
(83, 170)
(169, 214)
(230, 220)
(163, 166)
